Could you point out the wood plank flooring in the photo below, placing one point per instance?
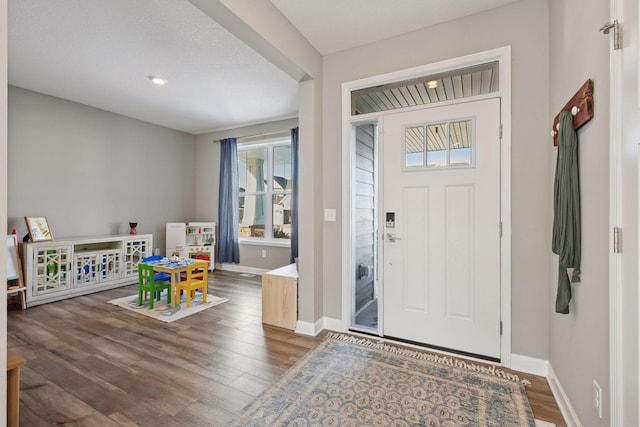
(90, 363)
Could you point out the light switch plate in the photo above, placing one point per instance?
(329, 214)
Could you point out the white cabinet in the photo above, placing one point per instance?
(201, 241)
(136, 247)
(47, 270)
(94, 267)
(65, 268)
(192, 240)
(176, 239)
(86, 268)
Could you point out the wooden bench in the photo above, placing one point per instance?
(280, 297)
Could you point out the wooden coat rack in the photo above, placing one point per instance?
(580, 105)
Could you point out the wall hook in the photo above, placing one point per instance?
(581, 107)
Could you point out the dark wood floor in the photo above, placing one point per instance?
(90, 363)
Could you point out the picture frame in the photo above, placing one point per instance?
(38, 228)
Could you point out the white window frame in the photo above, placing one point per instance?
(447, 124)
(269, 144)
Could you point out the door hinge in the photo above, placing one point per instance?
(500, 130)
(500, 228)
(501, 328)
(617, 33)
(617, 240)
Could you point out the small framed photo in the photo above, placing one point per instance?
(38, 228)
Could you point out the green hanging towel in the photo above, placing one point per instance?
(566, 211)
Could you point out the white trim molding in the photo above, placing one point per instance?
(541, 367)
(313, 329)
(308, 328)
(503, 56)
(333, 324)
(540, 423)
(569, 414)
(616, 380)
(638, 263)
(240, 268)
(530, 365)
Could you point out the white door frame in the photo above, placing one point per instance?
(621, 386)
(503, 56)
(615, 220)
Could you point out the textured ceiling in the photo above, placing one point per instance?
(335, 25)
(99, 53)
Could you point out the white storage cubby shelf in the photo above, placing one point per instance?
(65, 268)
(201, 241)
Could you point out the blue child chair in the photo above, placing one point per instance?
(158, 277)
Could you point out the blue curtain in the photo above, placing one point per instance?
(228, 203)
(294, 198)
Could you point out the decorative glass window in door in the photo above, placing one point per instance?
(439, 145)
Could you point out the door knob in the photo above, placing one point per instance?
(392, 237)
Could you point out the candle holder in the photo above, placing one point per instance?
(133, 226)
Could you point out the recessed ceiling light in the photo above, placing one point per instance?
(432, 84)
(157, 80)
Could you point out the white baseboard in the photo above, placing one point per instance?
(309, 328)
(535, 366)
(530, 365)
(313, 329)
(332, 324)
(240, 268)
(569, 414)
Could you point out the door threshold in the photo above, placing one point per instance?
(428, 347)
(365, 330)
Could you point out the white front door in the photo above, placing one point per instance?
(624, 204)
(441, 190)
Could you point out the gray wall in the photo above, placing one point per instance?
(579, 341)
(90, 172)
(524, 26)
(207, 184)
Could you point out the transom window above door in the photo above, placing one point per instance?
(454, 84)
(438, 145)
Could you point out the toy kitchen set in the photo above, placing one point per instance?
(192, 240)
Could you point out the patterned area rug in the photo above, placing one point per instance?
(346, 381)
(162, 311)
